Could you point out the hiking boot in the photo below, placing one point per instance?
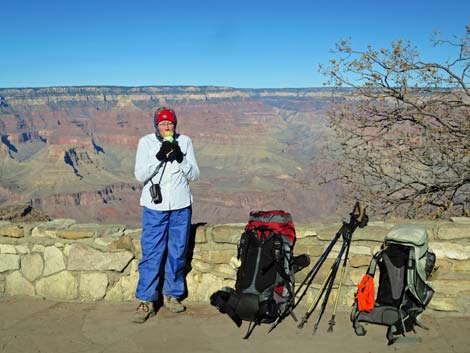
(144, 311)
(173, 304)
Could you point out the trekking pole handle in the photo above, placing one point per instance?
(359, 213)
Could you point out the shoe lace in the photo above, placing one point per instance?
(143, 307)
(174, 300)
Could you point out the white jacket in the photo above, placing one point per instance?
(174, 185)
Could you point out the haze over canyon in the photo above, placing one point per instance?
(70, 151)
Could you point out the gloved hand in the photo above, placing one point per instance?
(177, 154)
(165, 151)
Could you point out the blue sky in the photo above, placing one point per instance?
(243, 44)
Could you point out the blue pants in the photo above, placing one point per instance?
(163, 231)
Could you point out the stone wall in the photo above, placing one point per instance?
(64, 260)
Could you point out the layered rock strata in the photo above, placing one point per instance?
(70, 151)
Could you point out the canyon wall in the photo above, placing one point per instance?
(70, 150)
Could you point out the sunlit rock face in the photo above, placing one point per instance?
(70, 150)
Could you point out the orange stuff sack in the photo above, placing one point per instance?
(366, 294)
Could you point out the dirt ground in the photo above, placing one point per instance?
(34, 325)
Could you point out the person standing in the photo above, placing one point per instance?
(165, 163)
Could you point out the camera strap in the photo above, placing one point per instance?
(155, 173)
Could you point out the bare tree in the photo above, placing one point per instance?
(401, 127)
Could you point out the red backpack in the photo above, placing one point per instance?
(265, 278)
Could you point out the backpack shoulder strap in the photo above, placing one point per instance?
(373, 263)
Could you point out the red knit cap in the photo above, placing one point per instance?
(162, 114)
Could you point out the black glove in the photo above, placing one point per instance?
(177, 154)
(165, 151)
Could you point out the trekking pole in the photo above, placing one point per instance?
(316, 300)
(358, 218)
(361, 221)
(305, 285)
(334, 271)
(332, 321)
(327, 285)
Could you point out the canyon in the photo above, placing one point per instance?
(70, 151)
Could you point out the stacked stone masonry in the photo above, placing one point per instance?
(65, 260)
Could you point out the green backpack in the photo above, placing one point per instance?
(405, 263)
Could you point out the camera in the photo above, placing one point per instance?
(156, 193)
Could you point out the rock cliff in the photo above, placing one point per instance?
(61, 147)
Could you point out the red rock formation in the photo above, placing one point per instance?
(71, 150)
